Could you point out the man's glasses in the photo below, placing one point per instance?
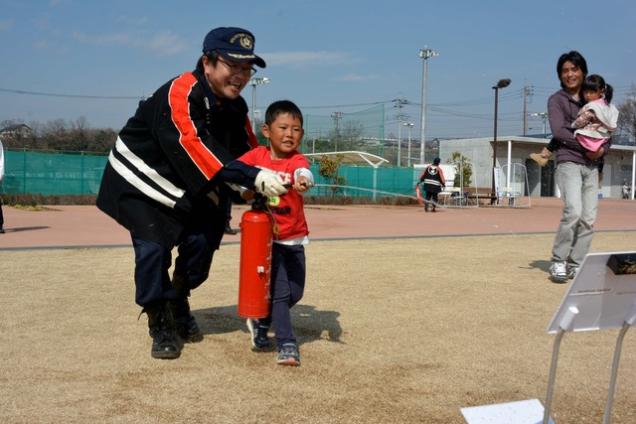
(237, 68)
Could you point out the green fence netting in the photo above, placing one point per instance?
(56, 173)
(52, 173)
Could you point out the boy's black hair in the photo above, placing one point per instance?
(280, 107)
(576, 58)
(596, 82)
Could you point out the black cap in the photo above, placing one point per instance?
(436, 161)
(235, 44)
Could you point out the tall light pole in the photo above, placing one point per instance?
(502, 83)
(254, 82)
(425, 54)
(409, 126)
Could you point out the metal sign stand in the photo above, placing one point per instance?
(602, 296)
(617, 357)
(580, 311)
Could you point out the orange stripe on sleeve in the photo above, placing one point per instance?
(202, 157)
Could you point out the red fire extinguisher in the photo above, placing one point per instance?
(256, 261)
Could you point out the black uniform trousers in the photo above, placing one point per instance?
(195, 248)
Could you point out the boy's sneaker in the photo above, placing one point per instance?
(288, 355)
(559, 272)
(260, 341)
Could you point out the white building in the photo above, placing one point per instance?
(513, 151)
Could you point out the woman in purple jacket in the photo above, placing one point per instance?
(576, 172)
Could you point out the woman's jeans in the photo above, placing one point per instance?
(578, 185)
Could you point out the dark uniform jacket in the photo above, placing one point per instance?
(171, 159)
(433, 178)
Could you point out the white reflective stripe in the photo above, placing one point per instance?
(432, 182)
(138, 163)
(129, 176)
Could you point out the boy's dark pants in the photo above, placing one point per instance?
(287, 286)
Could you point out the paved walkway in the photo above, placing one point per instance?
(66, 226)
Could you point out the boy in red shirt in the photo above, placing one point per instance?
(283, 128)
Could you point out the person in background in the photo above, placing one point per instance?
(166, 181)
(1, 178)
(228, 221)
(434, 182)
(283, 128)
(625, 190)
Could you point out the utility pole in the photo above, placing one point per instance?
(527, 92)
(399, 104)
(424, 54)
(337, 116)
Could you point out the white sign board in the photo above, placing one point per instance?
(602, 296)
(522, 412)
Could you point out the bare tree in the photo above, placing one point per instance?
(627, 117)
(61, 135)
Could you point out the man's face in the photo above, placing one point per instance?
(571, 77)
(227, 79)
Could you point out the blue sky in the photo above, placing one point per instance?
(335, 54)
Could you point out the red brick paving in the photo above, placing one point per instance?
(64, 226)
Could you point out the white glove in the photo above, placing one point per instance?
(269, 184)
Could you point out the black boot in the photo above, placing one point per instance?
(165, 342)
(185, 323)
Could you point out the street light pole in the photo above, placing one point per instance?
(425, 54)
(409, 125)
(502, 83)
(254, 82)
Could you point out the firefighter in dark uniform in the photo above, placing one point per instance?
(167, 180)
(434, 182)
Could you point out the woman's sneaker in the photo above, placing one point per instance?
(559, 272)
(258, 334)
(288, 355)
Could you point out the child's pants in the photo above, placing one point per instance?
(287, 286)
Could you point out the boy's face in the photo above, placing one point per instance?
(284, 135)
(227, 79)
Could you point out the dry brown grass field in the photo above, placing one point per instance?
(390, 331)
